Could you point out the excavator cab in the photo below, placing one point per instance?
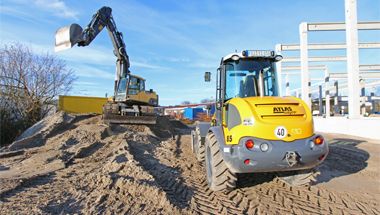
(131, 89)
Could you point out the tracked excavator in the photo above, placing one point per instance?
(131, 103)
(254, 130)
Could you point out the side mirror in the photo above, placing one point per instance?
(218, 107)
(151, 90)
(207, 76)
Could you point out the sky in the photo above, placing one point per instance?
(172, 43)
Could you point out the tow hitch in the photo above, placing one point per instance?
(292, 158)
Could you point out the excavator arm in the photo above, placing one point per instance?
(67, 37)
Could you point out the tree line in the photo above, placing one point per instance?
(29, 86)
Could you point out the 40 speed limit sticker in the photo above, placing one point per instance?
(280, 132)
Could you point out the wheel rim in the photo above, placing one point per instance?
(208, 165)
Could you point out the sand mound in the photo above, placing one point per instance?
(63, 149)
(35, 135)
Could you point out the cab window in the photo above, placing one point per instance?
(134, 86)
(242, 78)
(142, 85)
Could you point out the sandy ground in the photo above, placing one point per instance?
(76, 164)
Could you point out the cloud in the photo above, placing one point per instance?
(86, 83)
(57, 7)
(171, 29)
(92, 54)
(14, 12)
(102, 56)
(92, 72)
(146, 65)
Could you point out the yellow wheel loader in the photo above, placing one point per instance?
(253, 129)
(131, 103)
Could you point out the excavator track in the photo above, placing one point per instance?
(110, 118)
(111, 115)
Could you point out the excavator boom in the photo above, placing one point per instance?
(68, 36)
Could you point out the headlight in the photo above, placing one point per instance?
(235, 57)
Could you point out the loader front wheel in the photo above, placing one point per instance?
(219, 177)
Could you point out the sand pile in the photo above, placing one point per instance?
(69, 164)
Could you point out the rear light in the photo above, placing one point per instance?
(318, 140)
(249, 144)
(246, 161)
(321, 157)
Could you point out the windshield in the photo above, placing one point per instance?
(242, 78)
(122, 86)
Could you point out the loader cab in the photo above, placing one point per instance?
(246, 74)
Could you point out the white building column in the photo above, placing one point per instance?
(362, 97)
(352, 59)
(327, 93)
(320, 100)
(305, 82)
(336, 97)
(279, 70)
(298, 95)
(287, 89)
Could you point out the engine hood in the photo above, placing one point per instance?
(277, 107)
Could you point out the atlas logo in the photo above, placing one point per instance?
(282, 109)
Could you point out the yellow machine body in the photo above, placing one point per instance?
(81, 104)
(143, 97)
(266, 115)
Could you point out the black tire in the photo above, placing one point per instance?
(299, 178)
(219, 177)
(199, 148)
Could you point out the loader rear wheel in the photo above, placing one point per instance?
(300, 177)
(219, 177)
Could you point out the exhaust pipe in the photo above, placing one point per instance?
(66, 37)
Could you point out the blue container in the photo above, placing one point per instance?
(212, 109)
(191, 113)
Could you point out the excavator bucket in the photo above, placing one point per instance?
(66, 37)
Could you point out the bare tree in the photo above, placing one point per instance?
(185, 103)
(29, 85)
(207, 100)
